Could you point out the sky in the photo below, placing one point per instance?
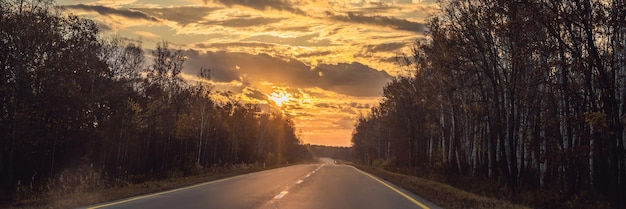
(320, 62)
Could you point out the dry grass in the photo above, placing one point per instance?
(78, 199)
(441, 194)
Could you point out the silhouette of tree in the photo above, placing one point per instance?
(80, 112)
(529, 92)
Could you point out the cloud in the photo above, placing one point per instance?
(379, 7)
(354, 79)
(303, 28)
(234, 45)
(221, 70)
(262, 5)
(182, 15)
(147, 34)
(106, 11)
(244, 22)
(306, 40)
(346, 122)
(386, 47)
(254, 94)
(326, 105)
(314, 54)
(395, 23)
(359, 105)
(109, 3)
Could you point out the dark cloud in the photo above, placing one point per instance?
(345, 122)
(292, 106)
(280, 5)
(254, 94)
(327, 105)
(344, 107)
(306, 40)
(359, 106)
(292, 28)
(302, 114)
(349, 111)
(392, 59)
(353, 79)
(221, 70)
(244, 22)
(102, 10)
(391, 22)
(386, 47)
(181, 15)
(225, 46)
(378, 7)
(314, 54)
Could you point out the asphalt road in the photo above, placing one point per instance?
(312, 186)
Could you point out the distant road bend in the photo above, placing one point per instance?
(324, 185)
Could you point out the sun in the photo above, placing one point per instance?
(280, 97)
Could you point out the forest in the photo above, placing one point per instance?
(529, 94)
(85, 110)
(337, 153)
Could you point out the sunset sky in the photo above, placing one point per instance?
(320, 62)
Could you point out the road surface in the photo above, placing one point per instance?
(314, 186)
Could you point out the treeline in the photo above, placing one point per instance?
(337, 153)
(531, 93)
(81, 110)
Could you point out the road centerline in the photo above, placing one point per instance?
(281, 195)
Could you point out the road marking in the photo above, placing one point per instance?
(395, 190)
(281, 195)
(175, 190)
(299, 181)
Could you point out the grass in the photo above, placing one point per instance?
(441, 194)
(79, 199)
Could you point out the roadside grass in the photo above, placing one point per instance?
(54, 199)
(441, 194)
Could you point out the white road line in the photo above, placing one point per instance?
(394, 189)
(102, 205)
(280, 195)
(130, 199)
(299, 181)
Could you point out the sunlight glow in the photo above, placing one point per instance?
(239, 40)
(280, 97)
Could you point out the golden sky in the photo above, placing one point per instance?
(321, 62)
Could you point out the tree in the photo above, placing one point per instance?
(45, 53)
(530, 92)
(86, 112)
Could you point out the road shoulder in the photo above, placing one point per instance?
(440, 194)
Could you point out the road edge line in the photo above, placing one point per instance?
(130, 199)
(418, 203)
(159, 193)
